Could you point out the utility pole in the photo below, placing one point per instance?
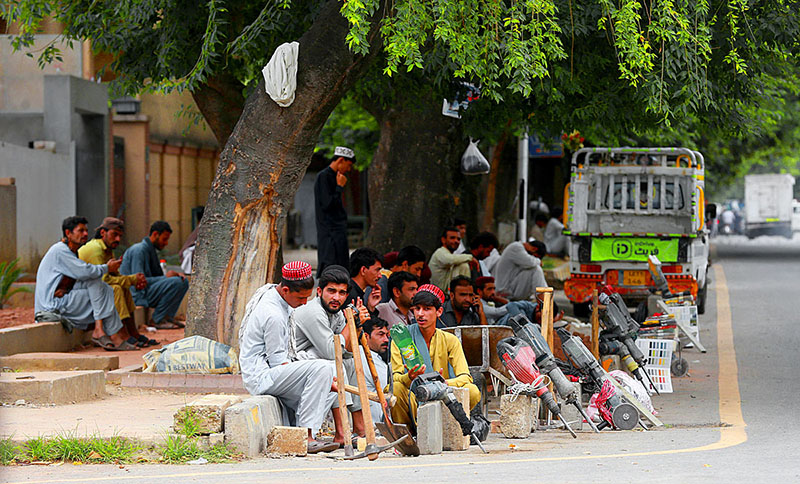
(522, 188)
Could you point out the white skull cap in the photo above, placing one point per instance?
(344, 152)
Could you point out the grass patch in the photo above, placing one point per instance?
(9, 452)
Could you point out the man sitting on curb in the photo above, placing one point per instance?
(164, 292)
(98, 251)
(463, 308)
(519, 271)
(377, 331)
(402, 286)
(440, 350)
(306, 387)
(498, 309)
(311, 329)
(73, 292)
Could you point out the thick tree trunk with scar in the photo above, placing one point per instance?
(258, 174)
(415, 183)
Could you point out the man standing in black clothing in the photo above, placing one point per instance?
(331, 217)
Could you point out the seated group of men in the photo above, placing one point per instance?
(81, 284)
(287, 342)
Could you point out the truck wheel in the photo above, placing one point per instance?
(641, 312)
(582, 310)
(702, 295)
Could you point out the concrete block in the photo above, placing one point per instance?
(57, 387)
(516, 416)
(271, 414)
(116, 376)
(244, 428)
(452, 438)
(205, 442)
(59, 362)
(209, 411)
(571, 414)
(40, 337)
(287, 441)
(429, 428)
(248, 423)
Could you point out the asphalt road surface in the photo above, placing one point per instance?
(733, 418)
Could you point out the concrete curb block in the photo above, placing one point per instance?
(248, 423)
(40, 338)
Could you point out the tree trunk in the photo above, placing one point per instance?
(415, 183)
(220, 101)
(259, 172)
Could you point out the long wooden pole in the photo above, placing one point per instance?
(348, 438)
(362, 382)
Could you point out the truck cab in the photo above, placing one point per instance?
(624, 204)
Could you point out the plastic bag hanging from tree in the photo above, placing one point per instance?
(280, 74)
(472, 161)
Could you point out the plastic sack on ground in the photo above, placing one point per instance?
(473, 162)
(194, 354)
(635, 388)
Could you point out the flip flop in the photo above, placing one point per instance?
(316, 446)
(179, 324)
(145, 342)
(124, 346)
(103, 342)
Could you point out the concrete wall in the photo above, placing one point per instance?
(21, 128)
(133, 130)
(45, 196)
(163, 110)
(21, 79)
(8, 216)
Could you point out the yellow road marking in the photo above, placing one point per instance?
(730, 413)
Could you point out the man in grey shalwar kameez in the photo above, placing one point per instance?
(519, 271)
(312, 327)
(303, 386)
(90, 300)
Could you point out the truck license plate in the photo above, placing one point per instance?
(634, 278)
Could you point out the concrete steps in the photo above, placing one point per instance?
(59, 387)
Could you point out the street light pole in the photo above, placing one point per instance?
(522, 190)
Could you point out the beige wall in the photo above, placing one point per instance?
(136, 215)
(21, 79)
(163, 109)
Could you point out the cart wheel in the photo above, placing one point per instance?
(679, 366)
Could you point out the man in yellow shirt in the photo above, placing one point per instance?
(98, 251)
(440, 350)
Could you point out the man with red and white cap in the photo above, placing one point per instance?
(441, 351)
(307, 387)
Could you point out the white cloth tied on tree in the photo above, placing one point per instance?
(280, 74)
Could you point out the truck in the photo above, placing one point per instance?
(768, 205)
(624, 204)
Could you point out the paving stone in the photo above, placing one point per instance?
(516, 416)
(40, 337)
(287, 441)
(209, 411)
(59, 362)
(57, 387)
(429, 428)
(452, 438)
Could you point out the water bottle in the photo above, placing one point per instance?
(408, 350)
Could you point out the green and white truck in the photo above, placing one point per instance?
(624, 204)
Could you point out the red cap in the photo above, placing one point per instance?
(483, 280)
(433, 290)
(296, 270)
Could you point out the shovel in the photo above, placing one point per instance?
(397, 433)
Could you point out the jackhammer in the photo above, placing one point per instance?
(619, 413)
(431, 387)
(530, 333)
(519, 359)
(619, 334)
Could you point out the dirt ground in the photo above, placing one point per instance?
(10, 317)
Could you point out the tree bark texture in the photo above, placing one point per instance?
(415, 184)
(220, 101)
(259, 172)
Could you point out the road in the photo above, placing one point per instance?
(732, 417)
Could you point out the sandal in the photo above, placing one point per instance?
(124, 346)
(165, 325)
(103, 342)
(174, 321)
(316, 446)
(144, 342)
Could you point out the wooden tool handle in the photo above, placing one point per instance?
(374, 372)
(362, 382)
(373, 397)
(337, 348)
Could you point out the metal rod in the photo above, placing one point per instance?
(566, 425)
